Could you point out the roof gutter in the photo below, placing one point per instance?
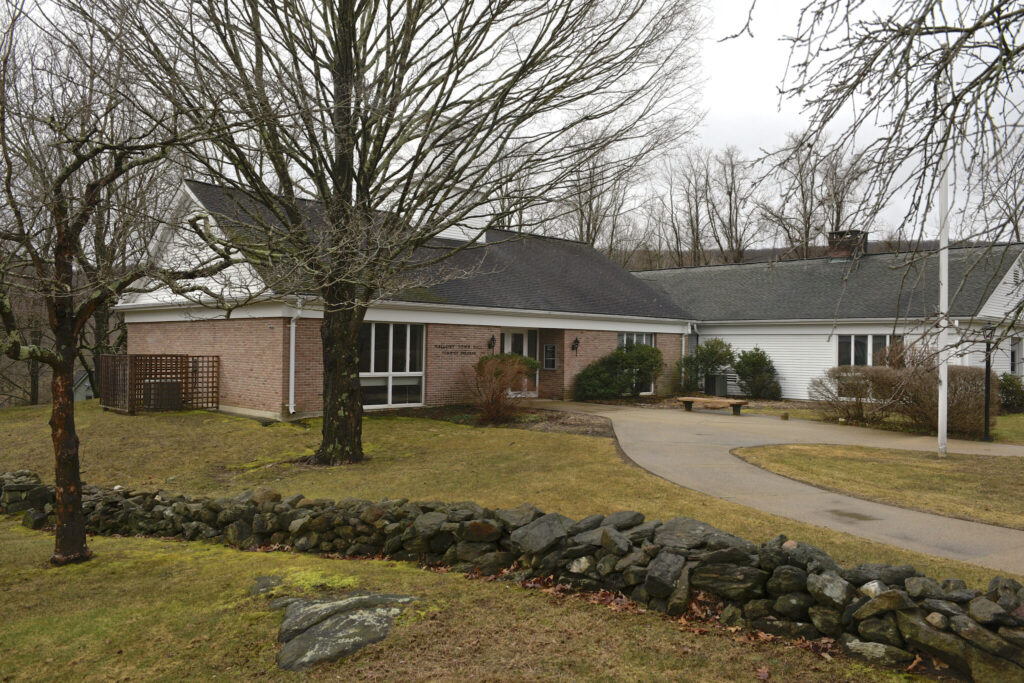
(291, 355)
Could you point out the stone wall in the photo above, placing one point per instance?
(884, 613)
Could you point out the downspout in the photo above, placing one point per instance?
(291, 357)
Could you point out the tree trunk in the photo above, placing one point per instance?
(70, 543)
(343, 405)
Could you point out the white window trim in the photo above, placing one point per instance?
(544, 356)
(871, 346)
(626, 338)
(390, 375)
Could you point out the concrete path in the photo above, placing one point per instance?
(693, 450)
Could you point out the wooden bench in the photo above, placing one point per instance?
(735, 404)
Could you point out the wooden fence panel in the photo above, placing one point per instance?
(159, 382)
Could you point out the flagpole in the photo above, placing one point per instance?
(943, 303)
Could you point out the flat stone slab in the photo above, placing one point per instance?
(315, 631)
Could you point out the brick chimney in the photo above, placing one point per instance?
(847, 243)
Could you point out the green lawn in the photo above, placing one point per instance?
(976, 487)
(147, 609)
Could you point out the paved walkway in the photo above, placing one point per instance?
(693, 450)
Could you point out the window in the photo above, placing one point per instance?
(391, 364)
(638, 339)
(864, 349)
(630, 338)
(550, 356)
(1015, 356)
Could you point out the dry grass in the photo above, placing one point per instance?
(1009, 429)
(975, 487)
(412, 458)
(147, 609)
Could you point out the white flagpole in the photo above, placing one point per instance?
(943, 304)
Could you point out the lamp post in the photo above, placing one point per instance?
(988, 331)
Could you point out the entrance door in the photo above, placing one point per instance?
(523, 342)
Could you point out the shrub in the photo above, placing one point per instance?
(870, 394)
(1011, 393)
(625, 371)
(497, 376)
(689, 373)
(965, 416)
(709, 358)
(756, 374)
(861, 394)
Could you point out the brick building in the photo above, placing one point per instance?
(558, 301)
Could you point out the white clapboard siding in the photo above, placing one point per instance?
(1007, 295)
(799, 353)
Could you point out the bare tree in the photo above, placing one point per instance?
(999, 197)
(793, 204)
(602, 201)
(399, 121)
(70, 137)
(934, 77)
(812, 189)
(730, 204)
(23, 383)
(677, 213)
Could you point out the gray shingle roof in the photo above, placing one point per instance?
(894, 285)
(513, 271)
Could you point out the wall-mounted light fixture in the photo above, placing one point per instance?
(491, 342)
(576, 346)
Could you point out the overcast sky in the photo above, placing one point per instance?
(742, 76)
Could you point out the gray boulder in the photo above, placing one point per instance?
(614, 541)
(33, 519)
(881, 629)
(641, 532)
(830, 590)
(662, 574)
(896, 576)
(585, 524)
(879, 653)
(889, 601)
(921, 587)
(786, 579)
(325, 631)
(623, 520)
(969, 630)
(920, 635)
(480, 530)
(730, 581)
(429, 524)
(683, 533)
(984, 611)
(793, 605)
(518, 516)
(542, 533)
(827, 620)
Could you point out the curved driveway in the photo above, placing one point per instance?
(693, 450)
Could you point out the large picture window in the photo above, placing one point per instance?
(391, 364)
(865, 349)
